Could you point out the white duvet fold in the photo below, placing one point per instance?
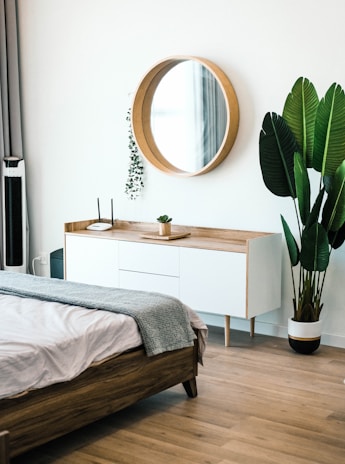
(42, 343)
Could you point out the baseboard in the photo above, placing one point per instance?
(266, 328)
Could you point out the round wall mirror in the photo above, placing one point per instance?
(185, 116)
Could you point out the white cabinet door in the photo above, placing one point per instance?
(91, 260)
(213, 281)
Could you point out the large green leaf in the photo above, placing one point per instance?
(315, 211)
(336, 239)
(277, 146)
(333, 214)
(302, 187)
(314, 248)
(327, 182)
(329, 137)
(290, 243)
(299, 112)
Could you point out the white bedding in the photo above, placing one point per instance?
(42, 343)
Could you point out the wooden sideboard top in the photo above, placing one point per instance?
(200, 237)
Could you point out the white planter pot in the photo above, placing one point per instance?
(304, 337)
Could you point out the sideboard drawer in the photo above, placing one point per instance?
(149, 282)
(148, 258)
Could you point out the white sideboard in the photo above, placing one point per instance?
(221, 271)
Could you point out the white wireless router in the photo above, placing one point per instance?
(101, 226)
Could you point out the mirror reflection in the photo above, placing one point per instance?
(188, 116)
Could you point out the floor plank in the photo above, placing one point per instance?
(258, 402)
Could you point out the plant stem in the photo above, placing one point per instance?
(294, 292)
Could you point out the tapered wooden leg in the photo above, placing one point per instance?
(252, 326)
(227, 330)
(190, 387)
(4, 447)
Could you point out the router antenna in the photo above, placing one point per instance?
(112, 213)
(99, 211)
(99, 226)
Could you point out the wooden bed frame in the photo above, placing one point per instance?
(42, 415)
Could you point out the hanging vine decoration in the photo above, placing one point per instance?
(134, 182)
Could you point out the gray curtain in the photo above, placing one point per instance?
(10, 114)
(214, 115)
(10, 120)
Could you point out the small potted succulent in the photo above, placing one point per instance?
(164, 224)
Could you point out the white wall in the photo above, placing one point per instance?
(81, 61)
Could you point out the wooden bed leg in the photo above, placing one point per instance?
(227, 330)
(252, 326)
(190, 387)
(4, 447)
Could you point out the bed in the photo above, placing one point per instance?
(51, 406)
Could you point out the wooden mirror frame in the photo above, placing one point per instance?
(141, 115)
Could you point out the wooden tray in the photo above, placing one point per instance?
(156, 236)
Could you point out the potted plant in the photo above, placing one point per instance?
(164, 224)
(302, 148)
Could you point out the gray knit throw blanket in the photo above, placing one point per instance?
(162, 320)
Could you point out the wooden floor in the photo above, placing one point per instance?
(258, 403)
